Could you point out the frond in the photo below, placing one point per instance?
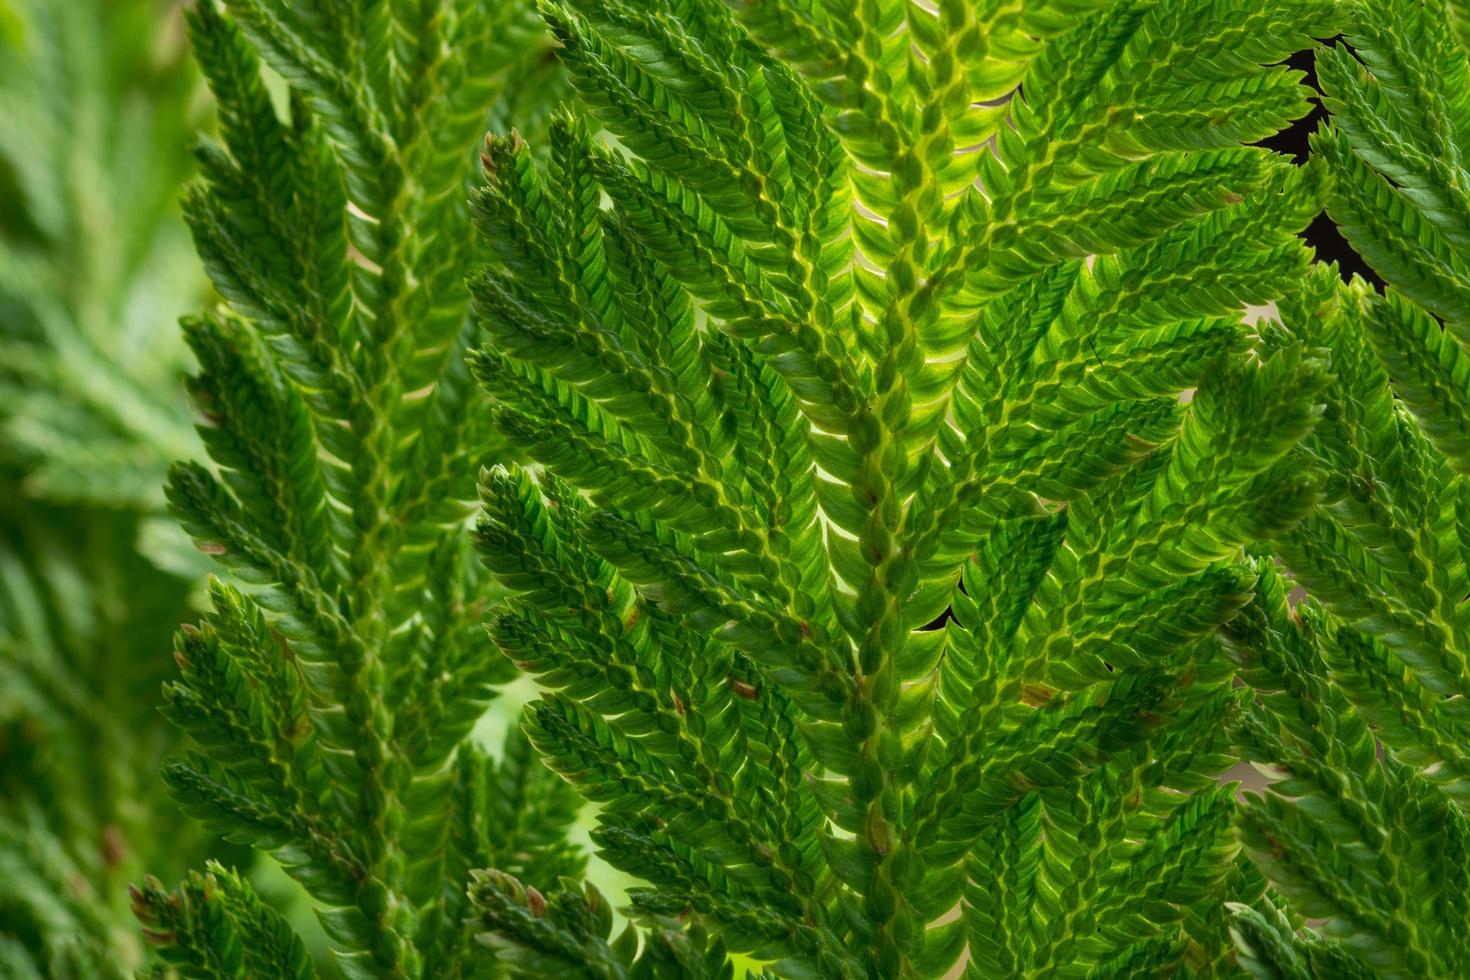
(94, 269)
(1370, 844)
(1361, 687)
(94, 263)
(215, 926)
(333, 688)
(827, 345)
(566, 933)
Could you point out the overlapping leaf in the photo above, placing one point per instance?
(342, 669)
(812, 387)
(1359, 836)
(1362, 715)
(94, 266)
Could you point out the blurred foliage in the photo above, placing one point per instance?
(95, 265)
(98, 102)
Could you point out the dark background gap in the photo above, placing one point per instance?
(945, 616)
(1321, 234)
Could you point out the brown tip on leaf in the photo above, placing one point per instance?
(1037, 695)
(741, 688)
(879, 837)
(535, 901)
(211, 547)
(1230, 197)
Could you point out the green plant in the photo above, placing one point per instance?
(1364, 719)
(332, 689)
(895, 467)
(862, 313)
(94, 263)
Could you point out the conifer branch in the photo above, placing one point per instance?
(1363, 686)
(796, 385)
(333, 686)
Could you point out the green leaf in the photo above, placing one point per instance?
(852, 315)
(215, 926)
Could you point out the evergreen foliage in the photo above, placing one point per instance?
(859, 314)
(877, 480)
(331, 689)
(1364, 717)
(94, 264)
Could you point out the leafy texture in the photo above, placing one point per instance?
(1366, 841)
(1362, 715)
(93, 265)
(216, 926)
(854, 314)
(82, 620)
(567, 935)
(331, 689)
